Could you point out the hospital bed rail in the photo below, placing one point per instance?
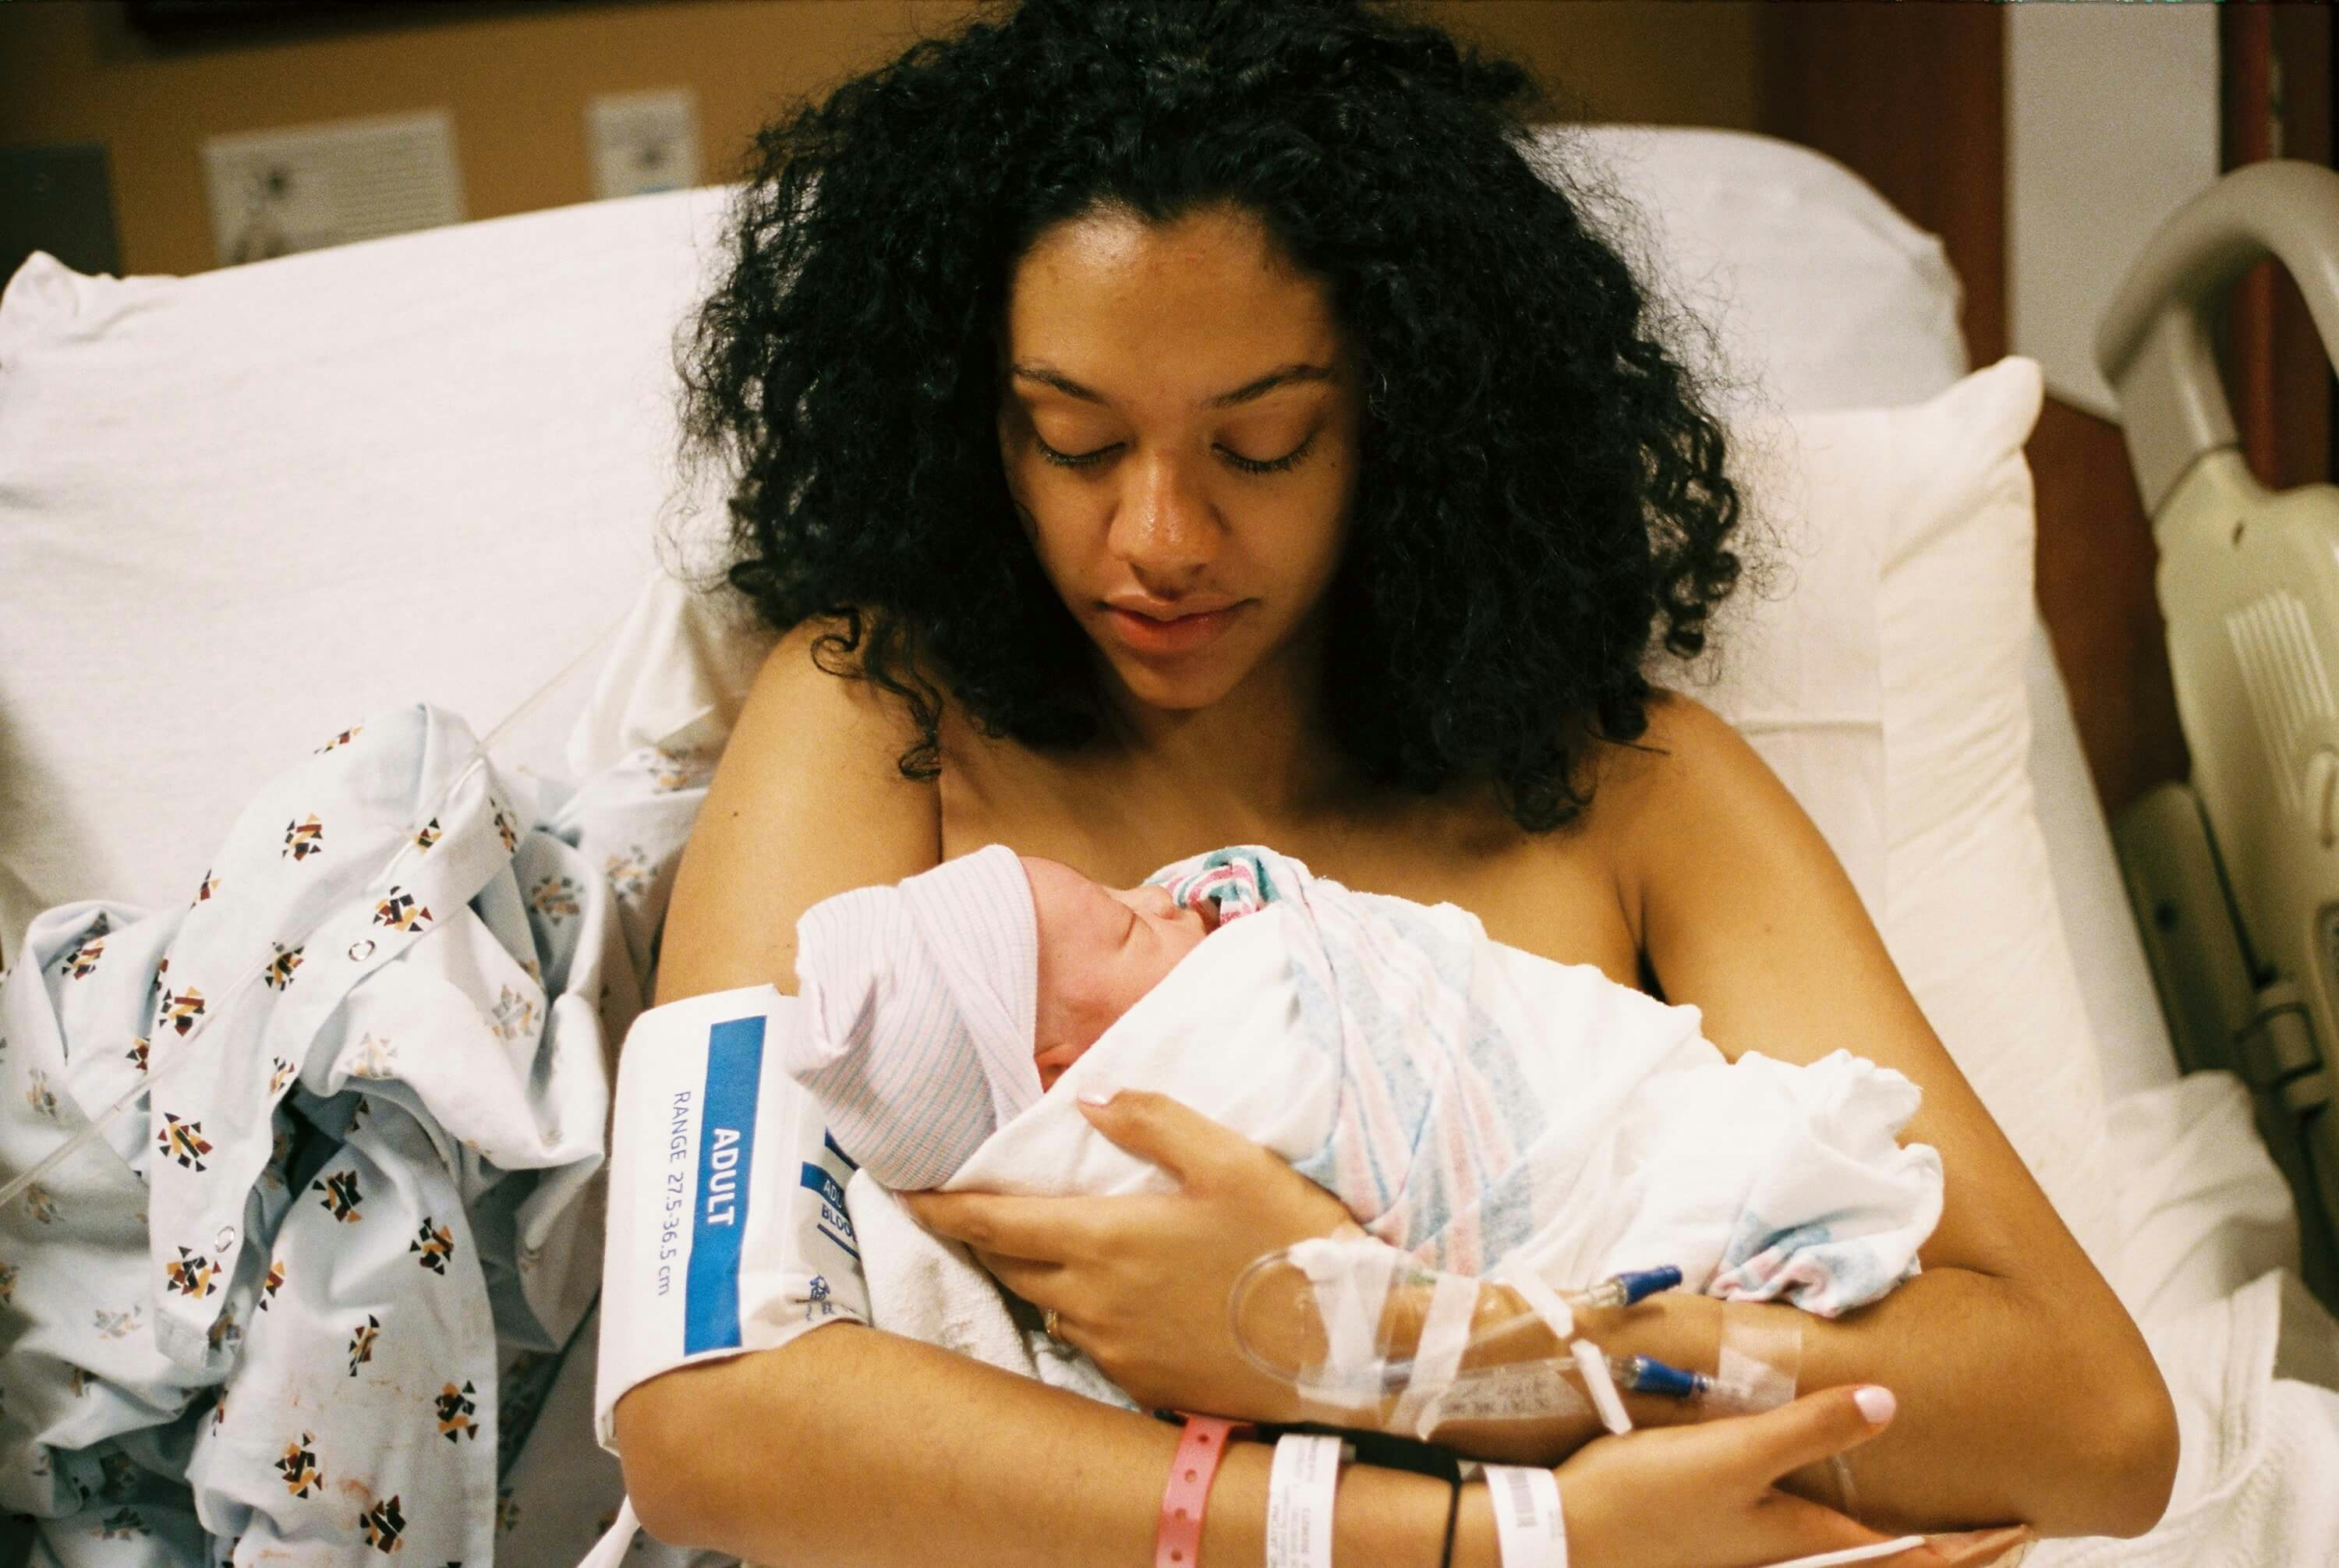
(2234, 874)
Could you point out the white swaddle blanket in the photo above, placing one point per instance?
(1471, 1104)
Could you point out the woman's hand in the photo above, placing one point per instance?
(1708, 1496)
(1141, 1283)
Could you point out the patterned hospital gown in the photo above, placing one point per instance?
(291, 1306)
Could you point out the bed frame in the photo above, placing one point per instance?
(2234, 874)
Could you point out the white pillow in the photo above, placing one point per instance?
(1808, 277)
(242, 509)
(1792, 659)
(1897, 711)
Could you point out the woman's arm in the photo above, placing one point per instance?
(2026, 1391)
(854, 1447)
(982, 1468)
(848, 1444)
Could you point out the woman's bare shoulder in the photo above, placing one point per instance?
(1690, 789)
(1689, 754)
(808, 801)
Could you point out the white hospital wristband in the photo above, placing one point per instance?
(1300, 1490)
(1527, 1526)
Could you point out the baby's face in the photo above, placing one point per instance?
(1100, 948)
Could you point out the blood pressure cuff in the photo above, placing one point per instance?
(727, 1228)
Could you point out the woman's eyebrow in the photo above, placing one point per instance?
(1282, 376)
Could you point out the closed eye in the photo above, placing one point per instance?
(1247, 464)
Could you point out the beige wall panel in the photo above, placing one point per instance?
(517, 83)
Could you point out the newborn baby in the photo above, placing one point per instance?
(1465, 1100)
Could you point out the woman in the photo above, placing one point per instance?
(1172, 424)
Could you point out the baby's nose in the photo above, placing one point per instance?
(1203, 910)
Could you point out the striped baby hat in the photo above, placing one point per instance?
(918, 1003)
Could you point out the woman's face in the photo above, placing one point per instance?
(1178, 421)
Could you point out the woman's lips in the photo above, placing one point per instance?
(1187, 634)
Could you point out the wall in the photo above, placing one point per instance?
(2108, 129)
(2111, 124)
(517, 83)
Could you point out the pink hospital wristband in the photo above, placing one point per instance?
(1178, 1543)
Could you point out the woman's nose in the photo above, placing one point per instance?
(1164, 526)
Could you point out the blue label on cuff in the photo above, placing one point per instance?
(727, 1155)
(820, 1181)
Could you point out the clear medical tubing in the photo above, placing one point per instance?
(1285, 1329)
(1357, 1325)
(186, 1052)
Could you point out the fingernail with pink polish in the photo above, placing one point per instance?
(1876, 1403)
(1098, 1096)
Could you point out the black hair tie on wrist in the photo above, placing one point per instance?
(1423, 1459)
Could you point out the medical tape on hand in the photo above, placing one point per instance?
(1536, 1389)
(1444, 1336)
(1761, 1357)
(1544, 1301)
(1528, 1530)
(1350, 1278)
(1300, 1484)
(1593, 1364)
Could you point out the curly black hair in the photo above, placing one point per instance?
(1541, 493)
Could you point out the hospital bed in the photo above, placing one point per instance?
(2232, 871)
(239, 509)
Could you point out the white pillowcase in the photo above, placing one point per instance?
(1807, 277)
(1920, 778)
